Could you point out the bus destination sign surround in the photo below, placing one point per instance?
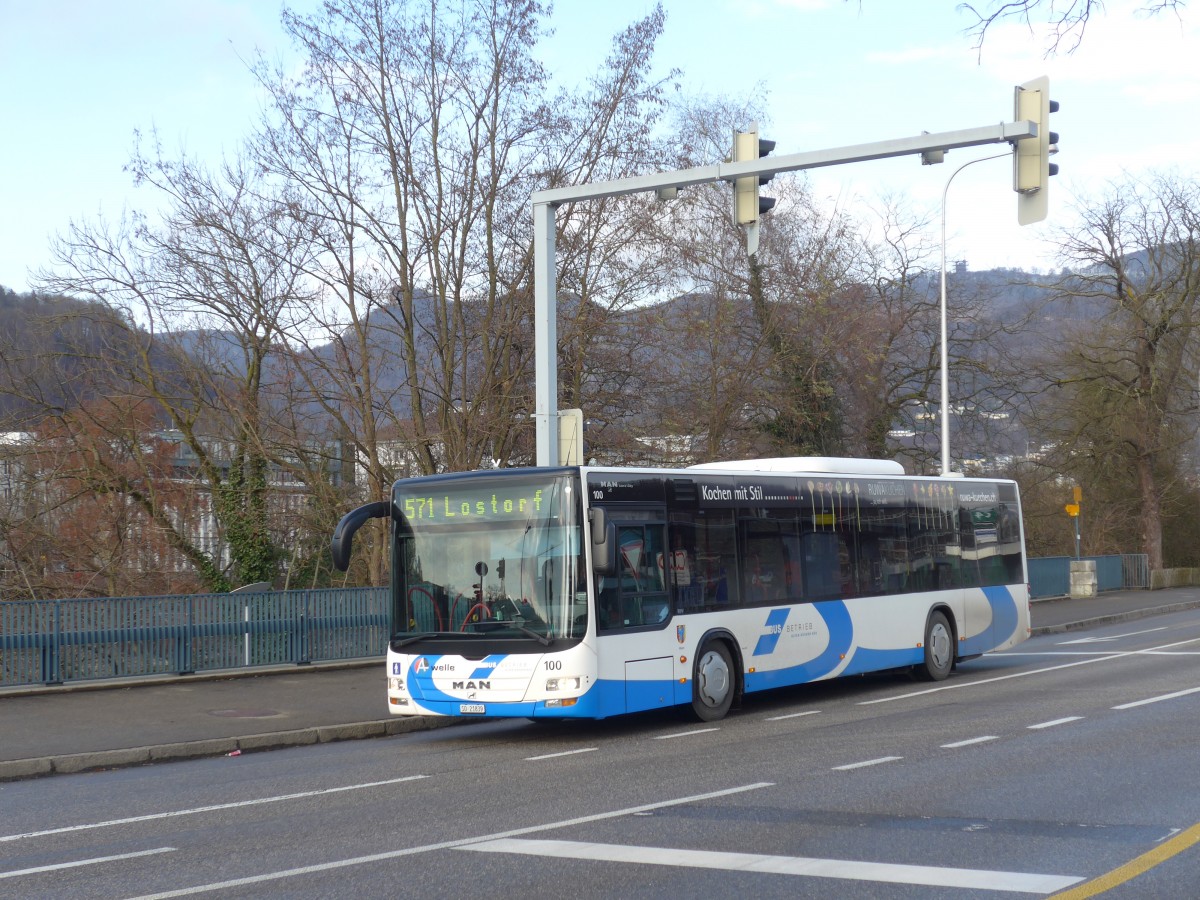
(478, 505)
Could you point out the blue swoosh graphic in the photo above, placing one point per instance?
(1004, 613)
(420, 684)
(841, 636)
(1005, 618)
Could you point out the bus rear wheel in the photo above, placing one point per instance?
(939, 649)
(712, 683)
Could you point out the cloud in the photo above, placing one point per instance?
(914, 55)
(766, 9)
(1119, 46)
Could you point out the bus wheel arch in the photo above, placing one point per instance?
(940, 644)
(716, 676)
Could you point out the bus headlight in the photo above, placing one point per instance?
(570, 683)
(395, 684)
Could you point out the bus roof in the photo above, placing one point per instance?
(832, 465)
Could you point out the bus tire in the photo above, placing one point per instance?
(713, 682)
(939, 649)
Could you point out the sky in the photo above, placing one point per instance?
(78, 80)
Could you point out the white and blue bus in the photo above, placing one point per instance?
(590, 591)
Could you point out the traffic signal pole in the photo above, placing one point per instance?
(545, 301)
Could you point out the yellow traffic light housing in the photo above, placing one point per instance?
(1031, 157)
(747, 204)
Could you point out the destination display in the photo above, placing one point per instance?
(477, 503)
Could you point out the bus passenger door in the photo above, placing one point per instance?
(636, 596)
(632, 607)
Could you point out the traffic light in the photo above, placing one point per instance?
(747, 204)
(1031, 157)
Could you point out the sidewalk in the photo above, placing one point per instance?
(81, 727)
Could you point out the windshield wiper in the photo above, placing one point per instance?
(497, 624)
(413, 638)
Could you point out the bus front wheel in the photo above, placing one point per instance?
(939, 649)
(713, 683)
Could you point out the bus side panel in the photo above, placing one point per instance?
(634, 672)
(890, 631)
(828, 639)
(797, 644)
(1011, 620)
(649, 684)
(1007, 609)
(976, 636)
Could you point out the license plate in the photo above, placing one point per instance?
(466, 709)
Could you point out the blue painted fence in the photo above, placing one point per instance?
(1050, 576)
(56, 641)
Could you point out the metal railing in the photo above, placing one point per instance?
(1050, 576)
(57, 641)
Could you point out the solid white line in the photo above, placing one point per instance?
(1054, 722)
(847, 869)
(203, 809)
(968, 743)
(36, 870)
(869, 762)
(563, 753)
(446, 845)
(1113, 637)
(1083, 662)
(810, 712)
(1099, 653)
(1156, 699)
(667, 737)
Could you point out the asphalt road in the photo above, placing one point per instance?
(1027, 773)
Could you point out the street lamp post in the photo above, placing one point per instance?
(944, 352)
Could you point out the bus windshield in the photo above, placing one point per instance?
(490, 556)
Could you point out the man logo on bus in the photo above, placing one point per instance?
(421, 666)
(680, 632)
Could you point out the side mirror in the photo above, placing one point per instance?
(599, 520)
(604, 543)
(343, 535)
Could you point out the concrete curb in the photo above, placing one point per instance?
(106, 684)
(1114, 618)
(72, 763)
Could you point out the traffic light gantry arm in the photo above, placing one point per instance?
(1004, 132)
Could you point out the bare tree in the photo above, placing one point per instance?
(1067, 20)
(411, 142)
(204, 297)
(1125, 398)
(880, 334)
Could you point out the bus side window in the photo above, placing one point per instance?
(765, 574)
(716, 558)
(822, 565)
(679, 564)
